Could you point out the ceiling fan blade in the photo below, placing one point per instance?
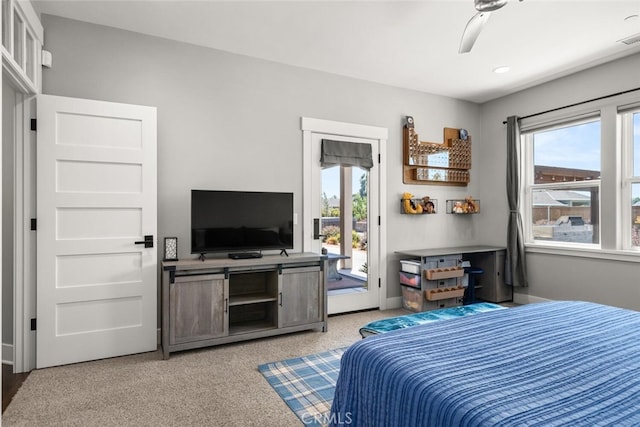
(489, 5)
(472, 31)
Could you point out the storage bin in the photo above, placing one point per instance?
(412, 299)
(409, 279)
(410, 266)
(429, 263)
(441, 261)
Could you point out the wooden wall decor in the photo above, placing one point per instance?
(433, 163)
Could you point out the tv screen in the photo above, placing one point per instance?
(227, 221)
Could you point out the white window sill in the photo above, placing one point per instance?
(584, 252)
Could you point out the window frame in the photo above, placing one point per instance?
(614, 187)
(530, 186)
(626, 126)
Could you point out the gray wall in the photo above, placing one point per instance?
(231, 122)
(552, 276)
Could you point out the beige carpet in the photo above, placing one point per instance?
(217, 386)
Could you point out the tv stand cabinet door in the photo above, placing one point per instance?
(301, 296)
(198, 305)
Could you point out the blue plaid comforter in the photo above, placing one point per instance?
(547, 364)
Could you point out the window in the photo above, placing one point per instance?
(563, 182)
(18, 31)
(5, 24)
(631, 140)
(30, 56)
(580, 177)
(635, 215)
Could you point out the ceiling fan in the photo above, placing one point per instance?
(477, 22)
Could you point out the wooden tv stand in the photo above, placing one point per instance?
(219, 301)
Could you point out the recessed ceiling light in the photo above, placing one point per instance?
(501, 69)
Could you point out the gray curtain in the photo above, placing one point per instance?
(516, 268)
(345, 154)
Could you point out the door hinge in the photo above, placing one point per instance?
(33, 324)
(34, 124)
(379, 282)
(34, 224)
(379, 220)
(379, 158)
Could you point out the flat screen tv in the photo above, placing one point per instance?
(240, 221)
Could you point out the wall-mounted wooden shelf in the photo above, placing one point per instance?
(446, 163)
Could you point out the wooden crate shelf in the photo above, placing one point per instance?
(443, 293)
(444, 273)
(445, 163)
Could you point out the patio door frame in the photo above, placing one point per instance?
(311, 126)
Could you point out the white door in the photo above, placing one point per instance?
(314, 130)
(96, 199)
(354, 298)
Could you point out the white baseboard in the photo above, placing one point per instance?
(527, 299)
(7, 354)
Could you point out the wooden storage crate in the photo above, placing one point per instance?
(444, 273)
(443, 293)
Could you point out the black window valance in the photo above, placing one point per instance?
(345, 154)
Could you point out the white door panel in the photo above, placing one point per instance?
(97, 177)
(96, 269)
(96, 197)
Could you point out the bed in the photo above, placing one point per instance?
(546, 364)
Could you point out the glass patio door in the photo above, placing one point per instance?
(345, 200)
(344, 226)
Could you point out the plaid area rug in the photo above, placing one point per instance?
(306, 384)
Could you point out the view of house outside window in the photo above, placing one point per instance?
(565, 192)
(563, 183)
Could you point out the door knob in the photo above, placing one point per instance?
(316, 229)
(147, 242)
